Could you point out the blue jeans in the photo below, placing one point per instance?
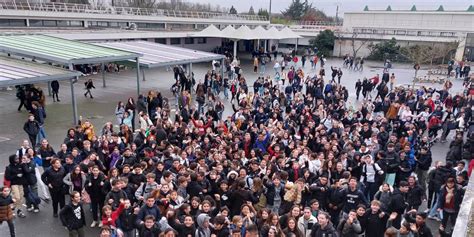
(226, 92)
(41, 135)
(262, 69)
(434, 212)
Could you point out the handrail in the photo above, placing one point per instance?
(84, 8)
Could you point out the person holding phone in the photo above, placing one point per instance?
(306, 222)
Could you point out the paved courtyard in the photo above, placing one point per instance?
(99, 110)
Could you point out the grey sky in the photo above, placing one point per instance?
(329, 6)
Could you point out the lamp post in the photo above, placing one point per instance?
(270, 11)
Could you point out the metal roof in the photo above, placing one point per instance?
(59, 50)
(160, 55)
(19, 72)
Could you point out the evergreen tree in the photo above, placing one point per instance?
(297, 9)
(251, 11)
(263, 12)
(232, 10)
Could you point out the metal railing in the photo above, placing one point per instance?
(90, 9)
(406, 32)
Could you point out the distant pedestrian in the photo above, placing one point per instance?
(55, 88)
(89, 85)
(32, 128)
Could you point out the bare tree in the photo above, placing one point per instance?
(355, 49)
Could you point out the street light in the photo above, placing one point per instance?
(270, 12)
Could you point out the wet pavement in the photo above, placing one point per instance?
(121, 86)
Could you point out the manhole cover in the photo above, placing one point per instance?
(4, 139)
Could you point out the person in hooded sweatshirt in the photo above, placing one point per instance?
(72, 216)
(324, 227)
(203, 229)
(16, 173)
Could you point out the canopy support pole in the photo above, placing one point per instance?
(138, 76)
(222, 69)
(190, 69)
(235, 48)
(73, 96)
(49, 88)
(296, 46)
(143, 73)
(265, 46)
(258, 44)
(103, 74)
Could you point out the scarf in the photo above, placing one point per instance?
(449, 194)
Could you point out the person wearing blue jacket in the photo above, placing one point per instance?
(262, 142)
(149, 209)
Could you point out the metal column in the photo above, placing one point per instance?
(296, 46)
(49, 88)
(138, 76)
(222, 68)
(235, 48)
(190, 69)
(265, 46)
(143, 74)
(73, 96)
(74, 105)
(103, 74)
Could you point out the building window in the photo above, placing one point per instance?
(201, 40)
(175, 41)
(189, 40)
(75, 23)
(49, 23)
(62, 23)
(160, 41)
(36, 23)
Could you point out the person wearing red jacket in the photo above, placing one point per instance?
(109, 217)
(434, 125)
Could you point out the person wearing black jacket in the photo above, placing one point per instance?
(398, 203)
(55, 89)
(53, 178)
(376, 220)
(184, 229)
(16, 173)
(239, 197)
(415, 194)
(220, 227)
(72, 216)
(320, 191)
(31, 185)
(94, 186)
(149, 228)
(352, 196)
(423, 160)
(324, 227)
(449, 201)
(32, 128)
(127, 219)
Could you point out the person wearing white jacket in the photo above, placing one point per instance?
(306, 222)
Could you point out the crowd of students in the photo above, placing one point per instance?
(295, 158)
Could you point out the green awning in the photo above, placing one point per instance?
(60, 50)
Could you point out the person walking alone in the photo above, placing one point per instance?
(55, 88)
(32, 128)
(72, 216)
(89, 85)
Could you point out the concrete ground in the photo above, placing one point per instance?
(121, 86)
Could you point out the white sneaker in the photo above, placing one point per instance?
(36, 210)
(93, 224)
(100, 224)
(29, 209)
